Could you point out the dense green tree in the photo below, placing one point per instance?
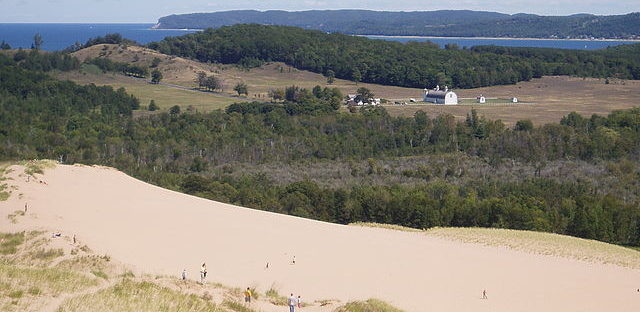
(153, 106)
(174, 110)
(331, 76)
(356, 75)
(364, 94)
(156, 76)
(524, 125)
(241, 88)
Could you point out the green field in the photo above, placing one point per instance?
(164, 96)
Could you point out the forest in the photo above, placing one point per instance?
(578, 177)
(415, 64)
(445, 23)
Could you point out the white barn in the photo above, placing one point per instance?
(437, 96)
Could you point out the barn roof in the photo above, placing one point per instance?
(441, 94)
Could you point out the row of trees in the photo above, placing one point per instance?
(208, 83)
(416, 64)
(107, 65)
(539, 205)
(45, 62)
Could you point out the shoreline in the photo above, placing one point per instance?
(499, 38)
(441, 37)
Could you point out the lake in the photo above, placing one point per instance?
(537, 43)
(60, 36)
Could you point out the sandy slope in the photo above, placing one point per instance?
(160, 231)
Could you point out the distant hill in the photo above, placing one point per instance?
(447, 23)
(345, 21)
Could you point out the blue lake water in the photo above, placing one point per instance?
(561, 44)
(60, 36)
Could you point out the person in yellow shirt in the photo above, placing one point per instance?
(247, 295)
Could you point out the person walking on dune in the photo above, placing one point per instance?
(299, 302)
(203, 273)
(484, 294)
(184, 275)
(292, 303)
(247, 296)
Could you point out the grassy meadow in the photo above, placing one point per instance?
(164, 96)
(543, 100)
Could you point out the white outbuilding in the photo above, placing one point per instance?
(437, 96)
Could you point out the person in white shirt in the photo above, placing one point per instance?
(293, 302)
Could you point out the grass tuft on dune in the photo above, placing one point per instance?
(129, 295)
(371, 305)
(9, 242)
(4, 188)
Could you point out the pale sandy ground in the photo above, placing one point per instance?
(160, 232)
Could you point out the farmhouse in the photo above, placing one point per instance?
(438, 96)
(352, 100)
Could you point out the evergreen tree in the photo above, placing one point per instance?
(37, 42)
(153, 106)
(331, 76)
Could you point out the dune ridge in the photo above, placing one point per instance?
(159, 231)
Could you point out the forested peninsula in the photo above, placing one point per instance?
(445, 23)
(414, 64)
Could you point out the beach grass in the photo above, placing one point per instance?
(371, 305)
(386, 226)
(23, 288)
(9, 242)
(100, 274)
(275, 298)
(236, 306)
(85, 263)
(129, 295)
(46, 254)
(4, 188)
(13, 217)
(32, 167)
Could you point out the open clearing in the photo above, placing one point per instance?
(544, 100)
(164, 96)
(160, 232)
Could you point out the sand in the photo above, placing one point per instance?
(158, 231)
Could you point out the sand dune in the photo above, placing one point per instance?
(161, 232)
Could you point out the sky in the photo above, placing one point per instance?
(148, 11)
